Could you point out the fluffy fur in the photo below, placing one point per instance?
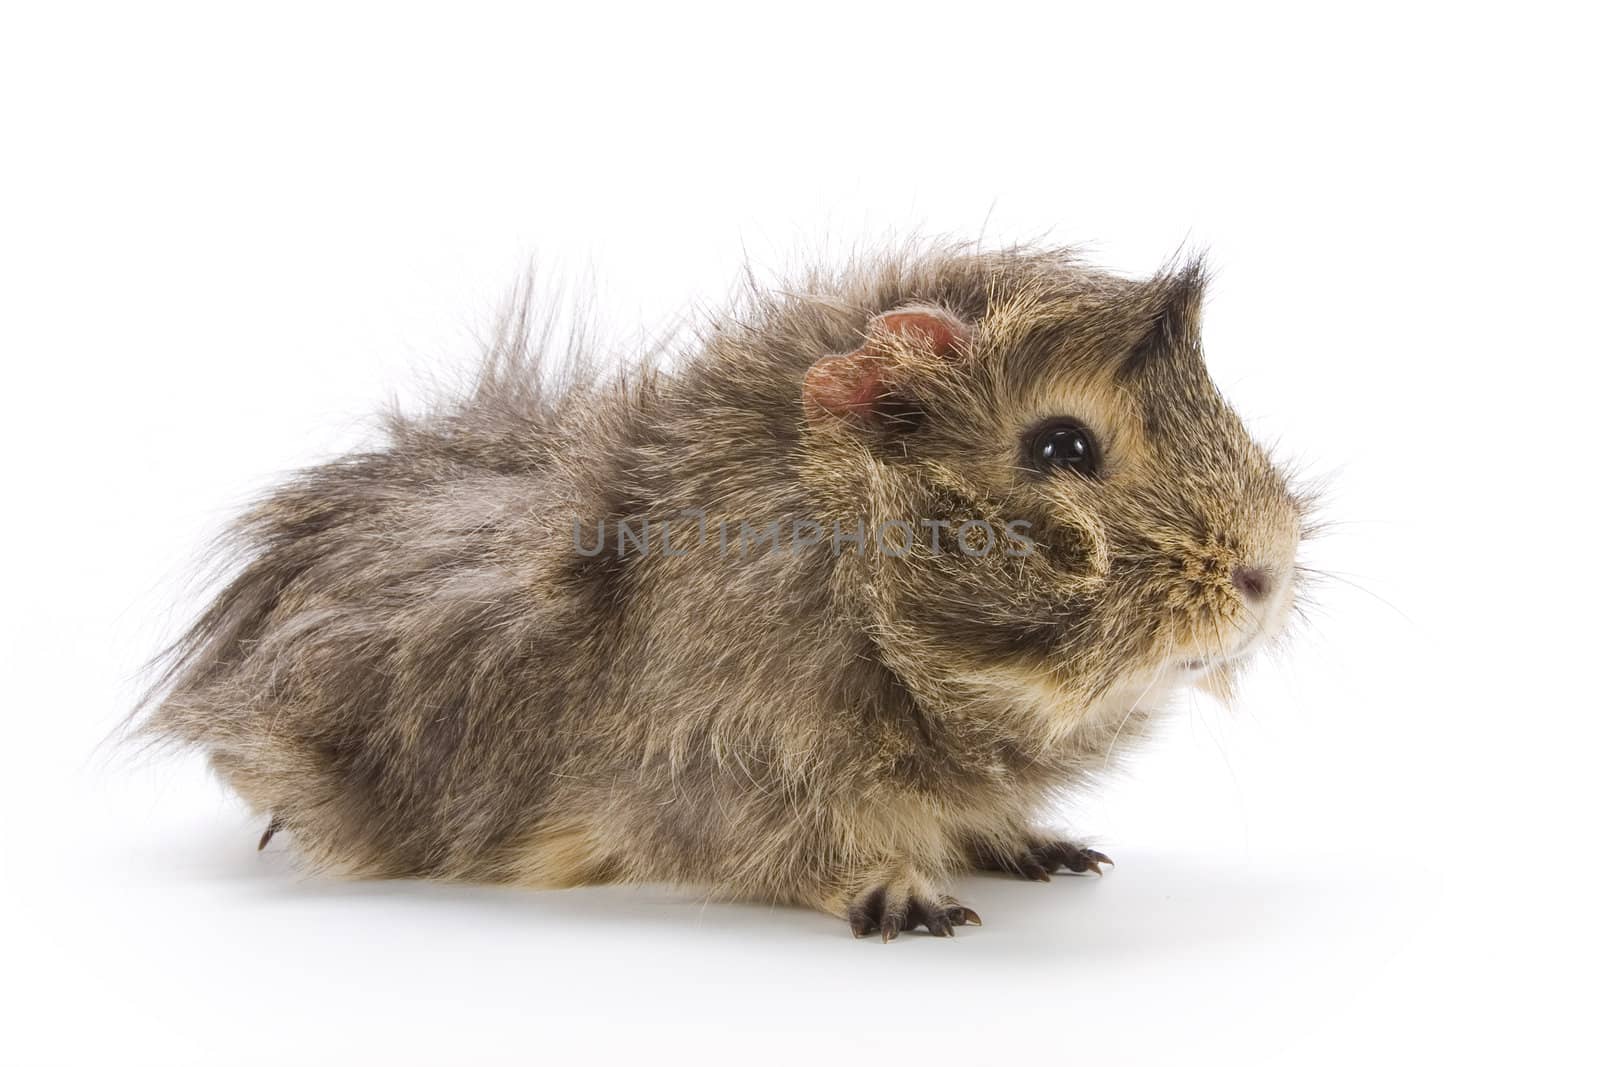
(415, 672)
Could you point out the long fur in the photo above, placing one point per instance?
(415, 673)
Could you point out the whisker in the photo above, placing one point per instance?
(1335, 576)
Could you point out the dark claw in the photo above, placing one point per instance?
(1042, 861)
(1037, 864)
(865, 913)
(273, 826)
(872, 911)
(1081, 860)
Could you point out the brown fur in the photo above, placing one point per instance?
(416, 673)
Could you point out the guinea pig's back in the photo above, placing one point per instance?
(377, 676)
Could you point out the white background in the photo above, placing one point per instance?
(230, 234)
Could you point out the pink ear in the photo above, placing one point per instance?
(933, 327)
(859, 383)
(843, 385)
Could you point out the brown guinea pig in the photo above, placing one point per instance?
(826, 613)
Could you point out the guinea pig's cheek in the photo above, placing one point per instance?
(1070, 538)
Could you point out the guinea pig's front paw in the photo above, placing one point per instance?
(1038, 862)
(890, 907)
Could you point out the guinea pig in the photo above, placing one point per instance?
(827, 611)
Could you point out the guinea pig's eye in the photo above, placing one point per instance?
(1063, 444)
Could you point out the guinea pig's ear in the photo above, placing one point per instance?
(861, 385)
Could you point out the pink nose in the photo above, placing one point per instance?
(1253, 583)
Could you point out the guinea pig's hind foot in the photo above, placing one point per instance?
(890, 909)
(1039, 862)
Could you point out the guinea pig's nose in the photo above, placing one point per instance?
(1253, 583)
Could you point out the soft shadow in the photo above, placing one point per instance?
(1149, 901)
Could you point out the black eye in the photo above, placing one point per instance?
(1064, 444)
